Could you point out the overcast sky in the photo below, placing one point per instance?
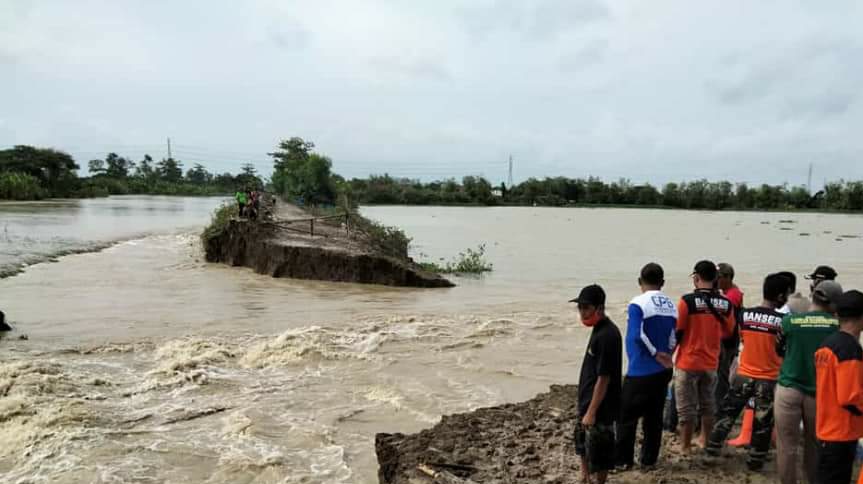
(653, 90)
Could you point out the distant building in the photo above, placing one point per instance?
(497, 192)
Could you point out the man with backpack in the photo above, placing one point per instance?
(705, 318)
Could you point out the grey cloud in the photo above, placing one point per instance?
(289, 36)
(591, 53)
(420, 69)
(818, 77)
(537, 20)
(649, 90)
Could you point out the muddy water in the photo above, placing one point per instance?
(144, 364)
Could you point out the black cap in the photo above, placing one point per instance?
(850, 305)
(592, 295)
(824, 273)
(706, 270)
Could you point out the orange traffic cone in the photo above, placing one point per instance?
(745, 430)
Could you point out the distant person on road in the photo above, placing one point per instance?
(799, 338)
(241, 202)
(839, 392)
(253, 206)
(756, 374)
(598, 387)
(730, 346)
(705, 318)
(650, 342)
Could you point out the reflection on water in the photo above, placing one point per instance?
(146, 364)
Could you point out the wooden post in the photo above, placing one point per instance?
(347, 225)
(312, 231)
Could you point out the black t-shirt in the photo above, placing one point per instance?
(602, 358)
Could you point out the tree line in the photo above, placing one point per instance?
(562, 191)
(30, 173)
(304, 176)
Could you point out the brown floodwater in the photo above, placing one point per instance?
(145, 364)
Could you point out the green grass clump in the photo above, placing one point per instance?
(471, 261)
(221, 217)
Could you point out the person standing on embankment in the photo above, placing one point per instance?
(598, 387)
(241, 202)
(705, 318)
(839, 393)
(756, 374)
(730, 346)
(650, 342)
(799, 338)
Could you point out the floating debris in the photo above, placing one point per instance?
(765, 223)
(785, 228)
(788, 221)
(804, 234)
(850, 236)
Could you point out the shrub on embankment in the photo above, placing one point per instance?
(219, 221)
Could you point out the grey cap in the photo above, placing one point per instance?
(827, 292)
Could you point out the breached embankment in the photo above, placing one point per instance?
(273, 249)
(530, 442)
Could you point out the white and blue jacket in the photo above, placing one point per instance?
(649, 330)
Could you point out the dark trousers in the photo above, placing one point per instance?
(643, 397)
(835, 462)
(723, 372)
(742, 390)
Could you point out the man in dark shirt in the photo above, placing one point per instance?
(598, 387)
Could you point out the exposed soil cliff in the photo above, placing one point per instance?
(283, 250)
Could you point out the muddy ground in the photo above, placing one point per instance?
(531, 442)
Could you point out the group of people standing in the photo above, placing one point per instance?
(801, 364)
(248, 203)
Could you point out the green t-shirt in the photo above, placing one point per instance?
(803, 333)
(241, 197)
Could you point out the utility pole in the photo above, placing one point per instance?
(809, 180)
(169, 147)
(509, 179)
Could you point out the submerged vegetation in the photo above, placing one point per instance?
(471, 261)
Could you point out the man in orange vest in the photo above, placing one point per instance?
(705, 318)
(839, 393)
(756, 374)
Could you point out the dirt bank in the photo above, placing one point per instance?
(531, 442)
(281, 249)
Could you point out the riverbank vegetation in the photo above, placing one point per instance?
(220, 219)
(471, 261)
(29, 173)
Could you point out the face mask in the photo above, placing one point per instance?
(591, 321)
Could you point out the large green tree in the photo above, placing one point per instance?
(300, 174)
(170, 170)
(56, 171)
